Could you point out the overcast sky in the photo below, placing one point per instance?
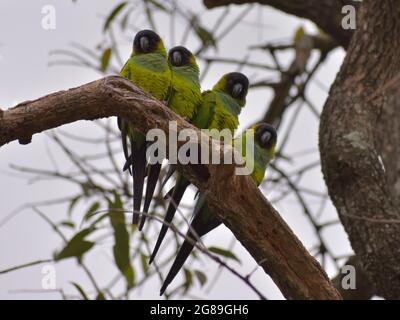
(25, 74)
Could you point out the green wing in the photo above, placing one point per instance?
(205, 113)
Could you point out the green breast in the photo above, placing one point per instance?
(185, 94)
(226, 112)
(218, 111)
(150, 72)
(258, 159)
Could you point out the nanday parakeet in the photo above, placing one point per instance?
(148, 68)
(204, 220)
(219, 110)
(184, 99)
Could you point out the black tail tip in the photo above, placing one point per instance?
(162, 290)
(141, 224)
(127, 165)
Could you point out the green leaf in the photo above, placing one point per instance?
(81, 291)
(91, 211)
(143, 261)
(188, 279)
(101, 296)
(77, 246)
(158, 5)
(113, 14)
(121, 237)
(67, 223)
(125, 19)
(205, 36)
(224, 253)
(72, 204)
(100, 218)
(201, 277)
(105, 59)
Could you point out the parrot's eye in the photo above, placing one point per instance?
(144, 43)
(177, 58)
(237, 90)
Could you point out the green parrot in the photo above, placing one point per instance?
(185, 97)
(148, 68)
(204, 220)
(219, 110)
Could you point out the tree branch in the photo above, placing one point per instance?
(243, 209)
(327, 14)
(354, 140)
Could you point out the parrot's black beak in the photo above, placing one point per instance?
(266, 136)
(177, 58)
(144, 44)
(237, 90)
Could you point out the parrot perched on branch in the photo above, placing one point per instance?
(185, 97)
(219, 110)
(204, 220)
(148, 68)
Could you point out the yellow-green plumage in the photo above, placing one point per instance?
(264, 137)
(185, 89)
(150, 72)
(219, 110)
(148, 68)
(184, 99)
(257, 159)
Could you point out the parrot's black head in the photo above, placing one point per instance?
(146, 41)
(179, 56)
(236, 85)
(265, 135)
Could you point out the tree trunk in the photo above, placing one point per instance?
(359, 143)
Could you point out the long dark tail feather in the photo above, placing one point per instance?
(152, 178)
(169, 193)
(198, 228)
(170, 172)
(180, 259)
(128, 163)
(176, 198)
(124, 137)
(123, 127)
(139, 165)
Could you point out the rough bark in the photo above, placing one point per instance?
(252, 219)
(356, 133)
(364, 290)
(389, 147)
(327, 14)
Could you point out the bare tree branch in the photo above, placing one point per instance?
(243, 209)
(327, 14)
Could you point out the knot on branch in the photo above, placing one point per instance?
(25, 140)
